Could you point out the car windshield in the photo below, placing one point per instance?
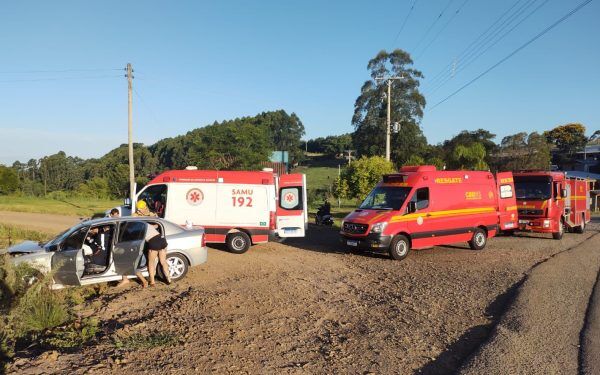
(533, 187)
(61, 236)
(386, 198)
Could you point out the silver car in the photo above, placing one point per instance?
(103, 250)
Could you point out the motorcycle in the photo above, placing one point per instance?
(324, 216)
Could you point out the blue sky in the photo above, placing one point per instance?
(196, 62)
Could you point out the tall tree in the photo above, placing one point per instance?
(9, 182)
(407, 104)
(467, 138)
(470, 157)
(285, 131)
(521, 151)
(568, 139)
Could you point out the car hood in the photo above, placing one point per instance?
(26, 247)
(367, 216)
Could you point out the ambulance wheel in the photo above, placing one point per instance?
(561, 230)
(238, 242)
(400, 247)
(580, 229)
(479, 239)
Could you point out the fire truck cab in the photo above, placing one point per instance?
(420, 207)
(550, 202)
(239, 208)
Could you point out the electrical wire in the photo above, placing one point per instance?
(539, 35)
(433, 24)
(57, 71)
(404, 23)
(58, 79)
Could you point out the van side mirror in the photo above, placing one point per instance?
(412, 207)
(127, 202)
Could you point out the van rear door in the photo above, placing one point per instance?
(507, 201)
(292, 212)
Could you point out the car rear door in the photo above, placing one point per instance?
(507, 201)
(67, 262)
(129, 247)
(292, 212)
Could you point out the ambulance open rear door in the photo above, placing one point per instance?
(292, 210)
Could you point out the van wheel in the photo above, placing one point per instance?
(479, 239)
(561, 230)
(400, 247)
(238, 242)
(581, 228)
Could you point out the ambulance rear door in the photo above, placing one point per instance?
(507, 201)
(292, 212)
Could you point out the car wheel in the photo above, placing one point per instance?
(479, 239)
(580, 229)
(561, 230)
(238, 242)
(178, 266)
(400, 247)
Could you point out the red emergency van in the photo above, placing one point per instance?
(238, 208)
(420, 207)
(550, 202)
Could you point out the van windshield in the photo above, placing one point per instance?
(386, 198)
(533, 187)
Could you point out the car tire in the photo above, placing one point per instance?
(178, 267)
(561, 231)
(581, 228)
(238, 242)
(479, 239)
(400, 247)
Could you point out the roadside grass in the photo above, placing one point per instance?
(139, 341)
(11, 234)
(84, 207)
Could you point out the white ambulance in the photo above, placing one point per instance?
(239, 208)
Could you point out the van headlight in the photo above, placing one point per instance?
(379, 227)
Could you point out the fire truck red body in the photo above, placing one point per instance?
(234, 207)
(420, 207)
(550, 202)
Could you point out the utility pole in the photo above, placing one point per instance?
(129, 76)
(389, 114)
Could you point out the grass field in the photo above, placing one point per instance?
(13, 234)
(70, 207)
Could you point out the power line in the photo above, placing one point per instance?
(539, 35)
(442, 29)
(404, 23)
(464, 65)
(58, 79)
(433, 24)
(56, 71)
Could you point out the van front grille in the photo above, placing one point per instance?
(355, 228)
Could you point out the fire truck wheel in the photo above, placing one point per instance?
(561, 230)
(580, 229)
(479, 239)
(400, 247)
(238, 242)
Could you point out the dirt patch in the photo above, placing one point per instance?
(40, 222)
(308, 307)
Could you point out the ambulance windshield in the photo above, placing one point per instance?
(386, 198)
(533, 187)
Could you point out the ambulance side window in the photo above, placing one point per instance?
(290, 198)
(506, 191)
(421, 198)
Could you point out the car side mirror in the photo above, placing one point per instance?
(127, 202)
(412, 207)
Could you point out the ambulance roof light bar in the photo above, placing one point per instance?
(418, 168)
(191, 168)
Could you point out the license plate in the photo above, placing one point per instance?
(289, 230)
(523, 221)
(509, 225)
(352, 243)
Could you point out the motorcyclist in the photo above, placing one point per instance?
(325, 208)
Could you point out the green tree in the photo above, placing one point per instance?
(415, 160)
(467, 138)
(470, 157)
(9, 181)
(407, 104)
(568, 139)
(285, 131)
(522, 151)
(363, 174)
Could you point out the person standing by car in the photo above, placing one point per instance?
(157, 248)
(141, 209)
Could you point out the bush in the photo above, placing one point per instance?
(138, 341)
(363, 174)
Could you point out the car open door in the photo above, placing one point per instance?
(507, 201)
(292, 212)
(67, 261)
(129, 247)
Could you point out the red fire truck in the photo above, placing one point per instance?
(420, 207)
(550, 202)
(238, 208)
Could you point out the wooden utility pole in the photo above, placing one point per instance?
(130, 135)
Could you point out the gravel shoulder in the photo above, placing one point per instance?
(540, 331)
(308, 307)
(590, 338)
